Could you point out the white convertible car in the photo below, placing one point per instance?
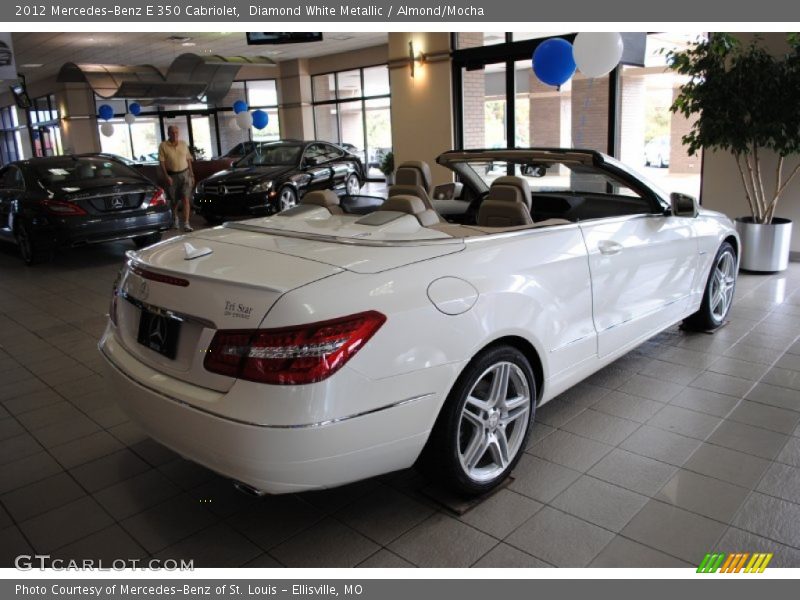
(318, 347)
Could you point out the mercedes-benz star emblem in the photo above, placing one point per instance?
(223, 190)
(158, 331)
(117, 202)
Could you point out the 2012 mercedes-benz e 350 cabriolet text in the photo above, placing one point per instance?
(313, 348)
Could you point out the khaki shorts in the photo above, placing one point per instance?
(182, 184)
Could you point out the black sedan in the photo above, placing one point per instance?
(57, 201)
(275, 176)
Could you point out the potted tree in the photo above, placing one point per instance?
(387, 167)
(747, 102)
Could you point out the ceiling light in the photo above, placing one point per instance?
(178, 38)
(31, 65)
(187, 44)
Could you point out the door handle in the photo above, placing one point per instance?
(608, 247)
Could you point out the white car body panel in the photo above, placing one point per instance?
(577, 295)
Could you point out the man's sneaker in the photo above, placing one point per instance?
(176, 224)
(187, 228)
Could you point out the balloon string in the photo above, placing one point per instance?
(577, 139)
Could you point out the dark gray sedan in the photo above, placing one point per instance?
(61, 201)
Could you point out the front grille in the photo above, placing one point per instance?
(117, 202)
(235, 189)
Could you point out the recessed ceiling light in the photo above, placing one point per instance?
(178, 38)
(31, 65)
(188, 44)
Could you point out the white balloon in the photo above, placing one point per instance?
(107, 129)
(245, 120)
(130, 119)
(233, 124)
(597, 53)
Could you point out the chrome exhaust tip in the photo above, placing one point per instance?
(249, 489)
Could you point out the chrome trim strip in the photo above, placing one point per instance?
(242, 422)
(575, 341)
(660, 308)
(165, 312)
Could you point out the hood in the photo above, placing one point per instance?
(247, 175)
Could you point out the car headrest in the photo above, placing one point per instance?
(411, 205)
(324, 198)
(414, 172)
(510, 189)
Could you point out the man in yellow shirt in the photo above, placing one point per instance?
(176, 164)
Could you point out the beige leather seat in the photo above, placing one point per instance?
(413, 178)
(411, 205)
(507, 205)
(324, 198)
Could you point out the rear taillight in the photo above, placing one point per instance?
(158, 198)
(291, 355)
(65, 209)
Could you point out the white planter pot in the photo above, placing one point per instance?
(764, 247)
(389, 179)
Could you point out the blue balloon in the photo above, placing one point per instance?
(134, 108)
(260, 119)
(239, 106)
(105, 111)
(553, 62)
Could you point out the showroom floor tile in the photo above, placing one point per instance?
(688, 444)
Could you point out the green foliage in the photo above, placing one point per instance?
(744, 100)
(387, 163)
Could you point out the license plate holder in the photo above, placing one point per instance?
(159, 333)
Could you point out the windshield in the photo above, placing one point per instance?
(72, 170)
(273, 154)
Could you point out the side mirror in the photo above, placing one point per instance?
(447, 191)
(683, 205)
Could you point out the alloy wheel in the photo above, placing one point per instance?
(353, 186)
(723, 282)
(493, 421)
(287, 198)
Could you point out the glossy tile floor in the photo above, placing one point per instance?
(688, 444)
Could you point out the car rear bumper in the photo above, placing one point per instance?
(273, 459)
(71, 231)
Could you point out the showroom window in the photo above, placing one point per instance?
(625, 113)
(210, 131)
(45, 126)
(10, 141)
(353, 108)
(649, 135)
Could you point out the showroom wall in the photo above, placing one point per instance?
(722, 187)
(422, 114)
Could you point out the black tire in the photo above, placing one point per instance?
(721, 280)
(32, 252)
(147, 240)
(213, 220)
(454, 454)
(352, 183)
(287, 198)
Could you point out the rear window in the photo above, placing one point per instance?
(69, 170)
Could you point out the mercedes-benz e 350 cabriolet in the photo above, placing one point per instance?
(314, 347)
